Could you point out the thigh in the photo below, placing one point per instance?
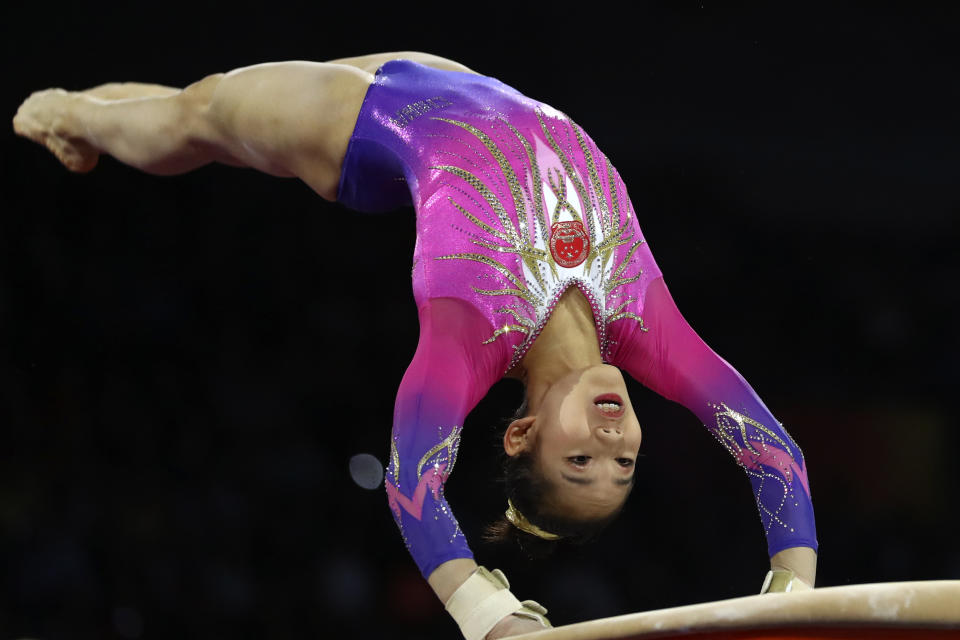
(370, 63)
(292, 118)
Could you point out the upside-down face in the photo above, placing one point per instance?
(586, 438)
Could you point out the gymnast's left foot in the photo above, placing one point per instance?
(46, 118)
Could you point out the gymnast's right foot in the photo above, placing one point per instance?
(46, 118)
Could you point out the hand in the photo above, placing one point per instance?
(514, 626)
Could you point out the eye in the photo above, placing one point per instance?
(626, 463)
(580, 461)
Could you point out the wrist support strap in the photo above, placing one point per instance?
(484, 600)
(783, 580)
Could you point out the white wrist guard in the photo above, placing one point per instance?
(484, 600)
(783, 580)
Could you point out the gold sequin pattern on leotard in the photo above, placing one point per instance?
(729, 425)
(608, 227)
(444, 452)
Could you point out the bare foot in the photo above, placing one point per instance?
(45, 117)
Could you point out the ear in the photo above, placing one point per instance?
(519, 435)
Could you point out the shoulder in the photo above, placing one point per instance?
(458, 331)
(454, 317)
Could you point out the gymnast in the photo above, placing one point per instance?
(529, 263)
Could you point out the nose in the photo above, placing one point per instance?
(610, 432)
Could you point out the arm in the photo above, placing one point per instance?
(671, 359)
(450, 372)
(290, 119)
(438, 389)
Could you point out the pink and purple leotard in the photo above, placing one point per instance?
(515, 204)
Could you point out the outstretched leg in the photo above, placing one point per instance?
(126, 90)
(370, 63)
(291, 119)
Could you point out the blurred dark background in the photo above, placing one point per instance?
(179, 404)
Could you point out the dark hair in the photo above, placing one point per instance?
(531, 494)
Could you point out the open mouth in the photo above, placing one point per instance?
(610, 405)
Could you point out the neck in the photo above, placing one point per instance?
(568, 342)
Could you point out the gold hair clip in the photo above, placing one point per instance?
(516, 519)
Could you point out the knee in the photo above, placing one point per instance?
(201, 93)
(200, 115)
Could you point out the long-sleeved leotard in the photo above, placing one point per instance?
(515, 204)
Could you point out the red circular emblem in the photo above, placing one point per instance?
(569, 243)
